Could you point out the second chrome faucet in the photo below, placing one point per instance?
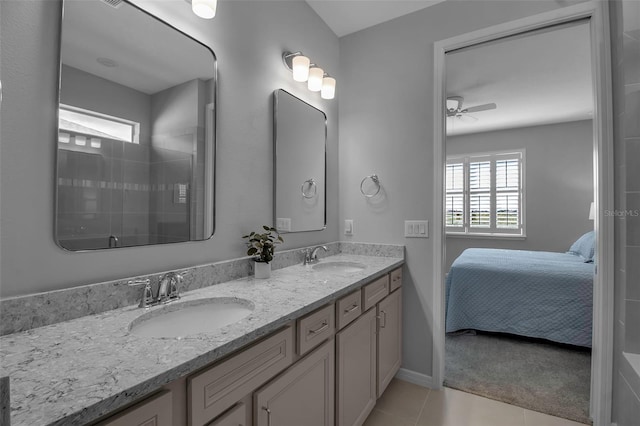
(311, 255)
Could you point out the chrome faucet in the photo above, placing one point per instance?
(311, 255)
(168, 289)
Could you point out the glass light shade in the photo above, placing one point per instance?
(315, 79)
(328, 88)
(300, 65)
(204, 8)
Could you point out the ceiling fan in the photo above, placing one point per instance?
(454, 108)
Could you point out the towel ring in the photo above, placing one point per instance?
(312, 184)
(376, 182)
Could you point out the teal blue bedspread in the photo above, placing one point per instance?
(529, 293)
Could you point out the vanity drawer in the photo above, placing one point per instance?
(348, 308)
(217, 388)
(396, 279)
(153, 411)
(375, 292)
(315, 328)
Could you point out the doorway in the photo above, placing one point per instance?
(518, 187)
(603, 184)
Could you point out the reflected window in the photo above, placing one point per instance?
(91, 123)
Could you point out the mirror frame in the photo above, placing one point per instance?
(210, 172)
(275, 161)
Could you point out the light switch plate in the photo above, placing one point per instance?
(348, 227)
(283, 224)
(416, 228)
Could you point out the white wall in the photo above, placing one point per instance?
(558, 184)
(248, 38)
(386, 128)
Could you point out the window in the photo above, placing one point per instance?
(485, 194)
(91, 125)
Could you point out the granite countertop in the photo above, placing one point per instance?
(74, 372)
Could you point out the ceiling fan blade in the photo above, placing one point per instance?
(479, 108)
(466, 118)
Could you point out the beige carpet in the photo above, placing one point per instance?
(529, 373)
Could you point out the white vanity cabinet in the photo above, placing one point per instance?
(217, 388)
(356, 366)
(389, 339)
(301, 396)
(325, 368)
(369, 349)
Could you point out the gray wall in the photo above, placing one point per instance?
(386, 110)
(558, 184)
(626, 95)
(248, 38)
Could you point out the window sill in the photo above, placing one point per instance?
(487, 236)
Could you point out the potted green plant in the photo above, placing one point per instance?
(261, 246)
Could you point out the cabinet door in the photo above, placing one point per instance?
(301, 396)
(237, 416)
(356, 370)
(389, 338)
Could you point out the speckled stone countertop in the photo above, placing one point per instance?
(74, 372)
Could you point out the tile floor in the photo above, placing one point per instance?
(406, 404)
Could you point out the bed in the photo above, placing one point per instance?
(528, 293)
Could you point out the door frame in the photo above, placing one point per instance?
(603, 308)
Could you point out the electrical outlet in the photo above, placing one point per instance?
(348, 227)
(416, 228)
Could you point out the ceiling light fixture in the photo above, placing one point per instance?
(304, 71)
(204, 8)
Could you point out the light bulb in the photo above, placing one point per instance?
(204, 8)
(328, 88)
(315, 79)
(300, 65)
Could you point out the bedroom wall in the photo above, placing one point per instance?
(625, 24)
(558, 184)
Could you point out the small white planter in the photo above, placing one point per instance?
(262, 270)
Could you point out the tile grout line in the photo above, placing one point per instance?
(424, 404)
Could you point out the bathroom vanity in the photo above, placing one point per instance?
(319, 345)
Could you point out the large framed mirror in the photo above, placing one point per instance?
(136, 130)
(300, 138)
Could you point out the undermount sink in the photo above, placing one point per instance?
(339, 266)
(193, 317)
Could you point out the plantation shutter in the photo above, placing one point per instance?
(485, 194)
(454, 199)
(508, 193)
(480, 194)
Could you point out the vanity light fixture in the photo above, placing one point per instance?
(204, 8)
(315, 79)
(304, 71)
(328, 90)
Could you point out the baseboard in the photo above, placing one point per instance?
(416, 378)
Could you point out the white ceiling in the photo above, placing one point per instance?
(348, 16)
(541, 78)
(535, 79)
(150, 56)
